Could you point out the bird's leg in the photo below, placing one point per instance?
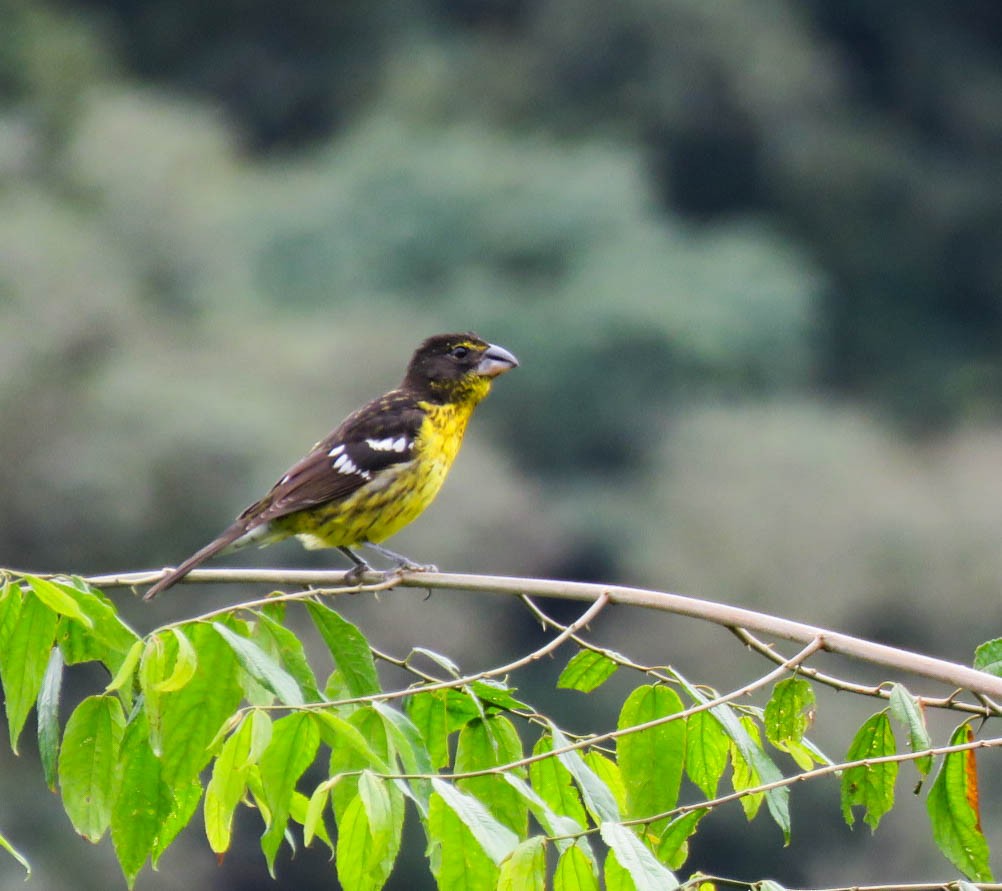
(402, 561)
(354, 575)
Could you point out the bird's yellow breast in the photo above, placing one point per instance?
(396, 495)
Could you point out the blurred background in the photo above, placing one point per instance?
(749, 255)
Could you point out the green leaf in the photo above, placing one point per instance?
(88, 761)
(60, 599)
(493, 692)
(575, 872)
(616, 876)
(954, 811)
(186, 798)
(651, 760)
(24, 659)
(486, 744)
(525, 868)
(289, 650)
(496, 839)
(123, 677)
(10, 849)
(744, 776)
(609, 773)
(673, 847)
(357, 856)
(314, 818)
(906, 709)
(143, 801)
(261, 667)
(706, 748)
(190, 719)
(440, 660)
(107, 639)
(226, 788)
(555, 824)
(338, 733)
(406, 739)
(760, 767)
(636, 859)
(430, 715)
(457, 859)
(988, 657)
(347, 759)
(185, 664)
(870, 786)
(586, 671)
(789, 711)
(294, 742)
(349, 648)
(554, 784)
(48, 716)
(598, 797)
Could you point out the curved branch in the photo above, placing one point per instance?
(949, 673)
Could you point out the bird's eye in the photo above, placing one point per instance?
(459, 352)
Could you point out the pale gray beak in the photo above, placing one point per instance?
(497, 360)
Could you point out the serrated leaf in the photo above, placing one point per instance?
(871, 786)
(375, 799)
(291, 655)
(127, 668)
(496, 839)
(752, 755)
(338, 733)
(673, 846)
(185, 664)
(553, 823)
(108, 639)
(743, 775)
(609, 773)
(486, 744)
(87, 763)
(651, 760)
(631, 853)
(906, 709)
(59, 599)
(48, 716)
(954, 812)
(23, 660)
(554, 784)
(190, 719)
(411, 749)
(350, 759)
(457, 859)
(525, 868)
(706, 748)
(186, 798)
(315, 812)
(298, 806)
(575, 872)
(228, 783)
(349, 648)
(598, 797)
(143, 801)
(788, 712)
(294, 743)
(586, 671)
(261, 667)
(988, 657)
(495, 693)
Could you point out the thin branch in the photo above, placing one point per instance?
(949, 673)
(951, 885)
(814, 774)
(987, 709)
(592, 741)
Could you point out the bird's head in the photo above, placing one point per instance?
(456, 367)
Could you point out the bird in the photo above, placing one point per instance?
(379, 468)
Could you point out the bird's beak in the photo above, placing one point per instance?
(496, 360)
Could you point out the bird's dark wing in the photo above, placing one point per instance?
(377, 436)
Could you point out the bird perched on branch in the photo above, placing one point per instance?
(380, 468)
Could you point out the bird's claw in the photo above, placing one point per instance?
(410, 566)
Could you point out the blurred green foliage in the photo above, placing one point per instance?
(745, 252)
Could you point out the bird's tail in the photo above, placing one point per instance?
(226, 540)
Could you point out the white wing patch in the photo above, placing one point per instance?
(400, 444)
(343, 464)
